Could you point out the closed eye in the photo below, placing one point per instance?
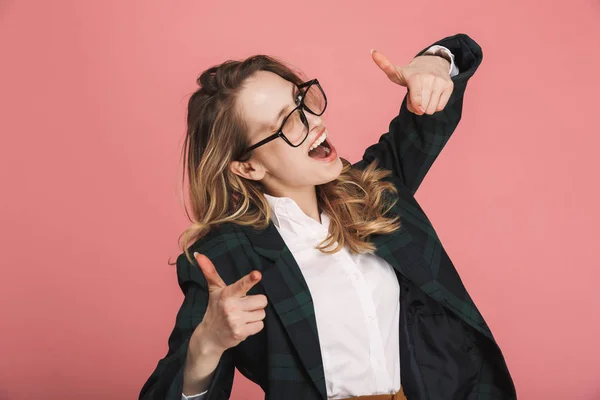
(277, 125)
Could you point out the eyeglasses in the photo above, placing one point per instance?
(294, 128)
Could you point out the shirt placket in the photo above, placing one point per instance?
(376, 349)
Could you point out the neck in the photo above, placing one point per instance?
(306, 198)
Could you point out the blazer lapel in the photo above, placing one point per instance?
(288, 292)
(402, 252)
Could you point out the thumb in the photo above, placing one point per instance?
(386, 66)
(210, 273)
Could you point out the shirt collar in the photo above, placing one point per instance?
(287, 208)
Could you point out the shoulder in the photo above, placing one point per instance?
(216, 245)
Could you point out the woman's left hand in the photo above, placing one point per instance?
(426, 77)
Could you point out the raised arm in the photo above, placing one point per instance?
(414, 141)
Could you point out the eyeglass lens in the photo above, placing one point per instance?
(296, 128)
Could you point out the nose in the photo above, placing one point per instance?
(314, 121)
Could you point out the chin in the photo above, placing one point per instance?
(333, 171)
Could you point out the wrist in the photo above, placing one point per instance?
(444, 55)
(202, 346)
(442, 52)
(202, 359)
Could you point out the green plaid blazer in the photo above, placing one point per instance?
(446, 349)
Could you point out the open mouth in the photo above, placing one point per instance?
(321, 151)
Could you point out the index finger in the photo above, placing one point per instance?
(415, 93)
(244, 284)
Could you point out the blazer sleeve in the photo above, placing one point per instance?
(413, 141)
(166, 382)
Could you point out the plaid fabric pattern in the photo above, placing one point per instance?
(285, 358)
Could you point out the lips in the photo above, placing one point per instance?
(317, 135)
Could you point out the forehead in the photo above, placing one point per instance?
(262, 98)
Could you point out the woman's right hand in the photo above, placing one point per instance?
(230, 316)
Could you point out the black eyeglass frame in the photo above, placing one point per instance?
(301, 107)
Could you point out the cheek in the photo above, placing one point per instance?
(286, 162)
(285, 155)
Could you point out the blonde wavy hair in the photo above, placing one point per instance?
(216, 135)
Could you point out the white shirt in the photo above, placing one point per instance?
(356, 300)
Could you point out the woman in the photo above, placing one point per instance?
(316, 278)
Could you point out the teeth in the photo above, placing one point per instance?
(319, 140)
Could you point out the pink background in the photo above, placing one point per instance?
(92, 102)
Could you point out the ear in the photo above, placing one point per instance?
(248, 169)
